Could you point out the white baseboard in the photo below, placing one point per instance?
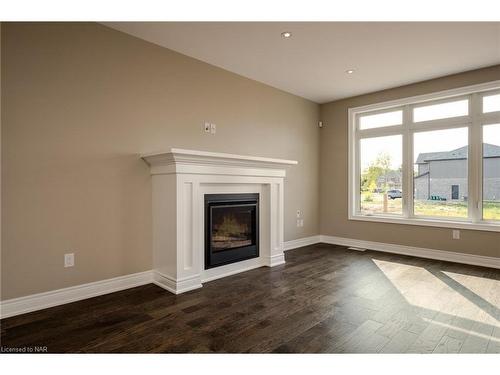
(476, 260)
(274, 260)
(176, 286)
(306, 241)
(231, 269)
(57, 297)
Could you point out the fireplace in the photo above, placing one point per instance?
(231, 228)
(181, 180)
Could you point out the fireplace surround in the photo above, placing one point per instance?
(181, 179)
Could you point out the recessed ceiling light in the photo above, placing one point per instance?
(286, 34)
(349, 71)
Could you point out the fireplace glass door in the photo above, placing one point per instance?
(231, 228)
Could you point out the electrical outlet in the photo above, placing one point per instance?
(213, 128)
(298, 223)
(301, 222)
(69, 260)
(206, 126)
(456, 234)
(299, 214)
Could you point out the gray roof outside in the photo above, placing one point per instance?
(490, 151)
(391, 175)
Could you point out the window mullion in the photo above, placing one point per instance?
(357, 173)
(475, 161)
(407, 164)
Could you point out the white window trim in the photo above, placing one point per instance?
(474, 121)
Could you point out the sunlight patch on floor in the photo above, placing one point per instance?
(464, 296)
(459, 329)
(489, 289)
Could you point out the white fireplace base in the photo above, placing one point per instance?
(180, 180)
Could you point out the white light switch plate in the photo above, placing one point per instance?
(456, 234)
(69, 260)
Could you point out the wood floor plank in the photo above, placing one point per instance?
(364, 339)
(474, 344)
(400, 342)
(494, 343)
(431, 335)
(448, 345)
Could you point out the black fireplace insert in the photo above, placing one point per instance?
(231, 228)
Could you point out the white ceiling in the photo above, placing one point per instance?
(312, 63)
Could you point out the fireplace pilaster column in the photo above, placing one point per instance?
(276, 218)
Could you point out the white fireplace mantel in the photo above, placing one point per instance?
(180, 180)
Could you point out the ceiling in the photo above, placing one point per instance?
(313, 62)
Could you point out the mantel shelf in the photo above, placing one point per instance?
(178, 155)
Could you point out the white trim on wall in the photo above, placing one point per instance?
(22, 305)
(300, 242)
(420, 252)
(176, 286)
(39, 301)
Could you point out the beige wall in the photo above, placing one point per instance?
(333, 172)
(79, 103)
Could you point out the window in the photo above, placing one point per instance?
(381, 177)
(441, 111)
(491, 103)
(428, 160)
(440, 160)
(381, 120)
(491, 172)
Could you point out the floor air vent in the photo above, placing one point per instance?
(356, 248)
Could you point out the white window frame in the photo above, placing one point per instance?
(474, 122)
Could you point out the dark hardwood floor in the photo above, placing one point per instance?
(325, 299)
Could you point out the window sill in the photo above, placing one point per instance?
(440, 223)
